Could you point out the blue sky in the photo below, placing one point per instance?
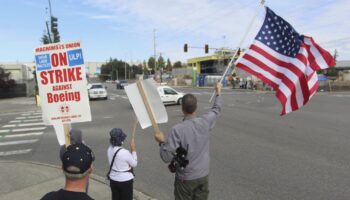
(123, 29)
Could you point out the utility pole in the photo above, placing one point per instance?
(48, 32)
(125, 70)
(155, 53)
(50, 8)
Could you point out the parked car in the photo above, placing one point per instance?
(169, 95)
(121, 84)
(97, 91)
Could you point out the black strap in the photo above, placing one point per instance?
(110, 167)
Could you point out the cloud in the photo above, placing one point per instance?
(102, 17)
(209, 21)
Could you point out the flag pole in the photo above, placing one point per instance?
(262, 2)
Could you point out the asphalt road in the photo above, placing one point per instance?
(255, 153)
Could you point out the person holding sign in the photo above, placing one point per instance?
(121, 163)
(77, 166)
(187, 148)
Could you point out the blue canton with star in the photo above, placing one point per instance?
(279, 35)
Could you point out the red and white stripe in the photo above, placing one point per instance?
(293, 79)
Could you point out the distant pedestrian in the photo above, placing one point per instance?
(231, 78)
(76, 136)
(121, 163)
(77, 167)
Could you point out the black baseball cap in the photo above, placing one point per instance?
(77, 159)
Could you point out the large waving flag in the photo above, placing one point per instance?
(286, 61)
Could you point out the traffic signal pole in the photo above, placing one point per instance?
(206, 48)
(48, 31)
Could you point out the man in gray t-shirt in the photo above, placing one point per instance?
(191, 134)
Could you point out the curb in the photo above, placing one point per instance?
(137, 194)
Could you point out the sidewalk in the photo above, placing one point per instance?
(29, 180)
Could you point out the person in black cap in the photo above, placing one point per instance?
(76, 136)
(121, 163)
(77, 167)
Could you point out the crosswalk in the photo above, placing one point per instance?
(20, 135)
(117, 96)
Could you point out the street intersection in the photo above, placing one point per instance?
(255, 153)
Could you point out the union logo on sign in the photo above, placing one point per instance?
(64, 109)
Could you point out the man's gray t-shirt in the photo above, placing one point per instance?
(192, 132)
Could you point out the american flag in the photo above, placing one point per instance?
(286, 61)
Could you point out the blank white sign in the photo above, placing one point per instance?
(157, 107)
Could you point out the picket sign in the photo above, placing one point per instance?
(146, 102)
(61, 78)
(148, 107)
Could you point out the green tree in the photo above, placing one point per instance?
(114, 69)
(168, 66)
(45, 39)
(144, 67)
(177, 64)
(151, 63)
(161, 62)
(5, 81)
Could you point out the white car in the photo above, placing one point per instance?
(169, 95)
(96, 91)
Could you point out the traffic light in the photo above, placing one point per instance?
(54, 29)
(206, 48)
(56, 38)
(54, 24)
(185, 48)
(238, 51)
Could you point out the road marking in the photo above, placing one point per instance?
(9, 125)
(36, 113)
(18, 142)
(20, 117)
(25, 114)
(9, 153)
(4, 131)
(32, 117)
(32, 120)
(108, 117)
(124, 97)
(28, 129)
(23, 135)
(31, 124)
(15, 121)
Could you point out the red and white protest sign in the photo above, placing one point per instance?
(62, 83)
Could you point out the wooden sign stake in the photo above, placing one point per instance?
(66, 134)
(148, 107)
(134, 128)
